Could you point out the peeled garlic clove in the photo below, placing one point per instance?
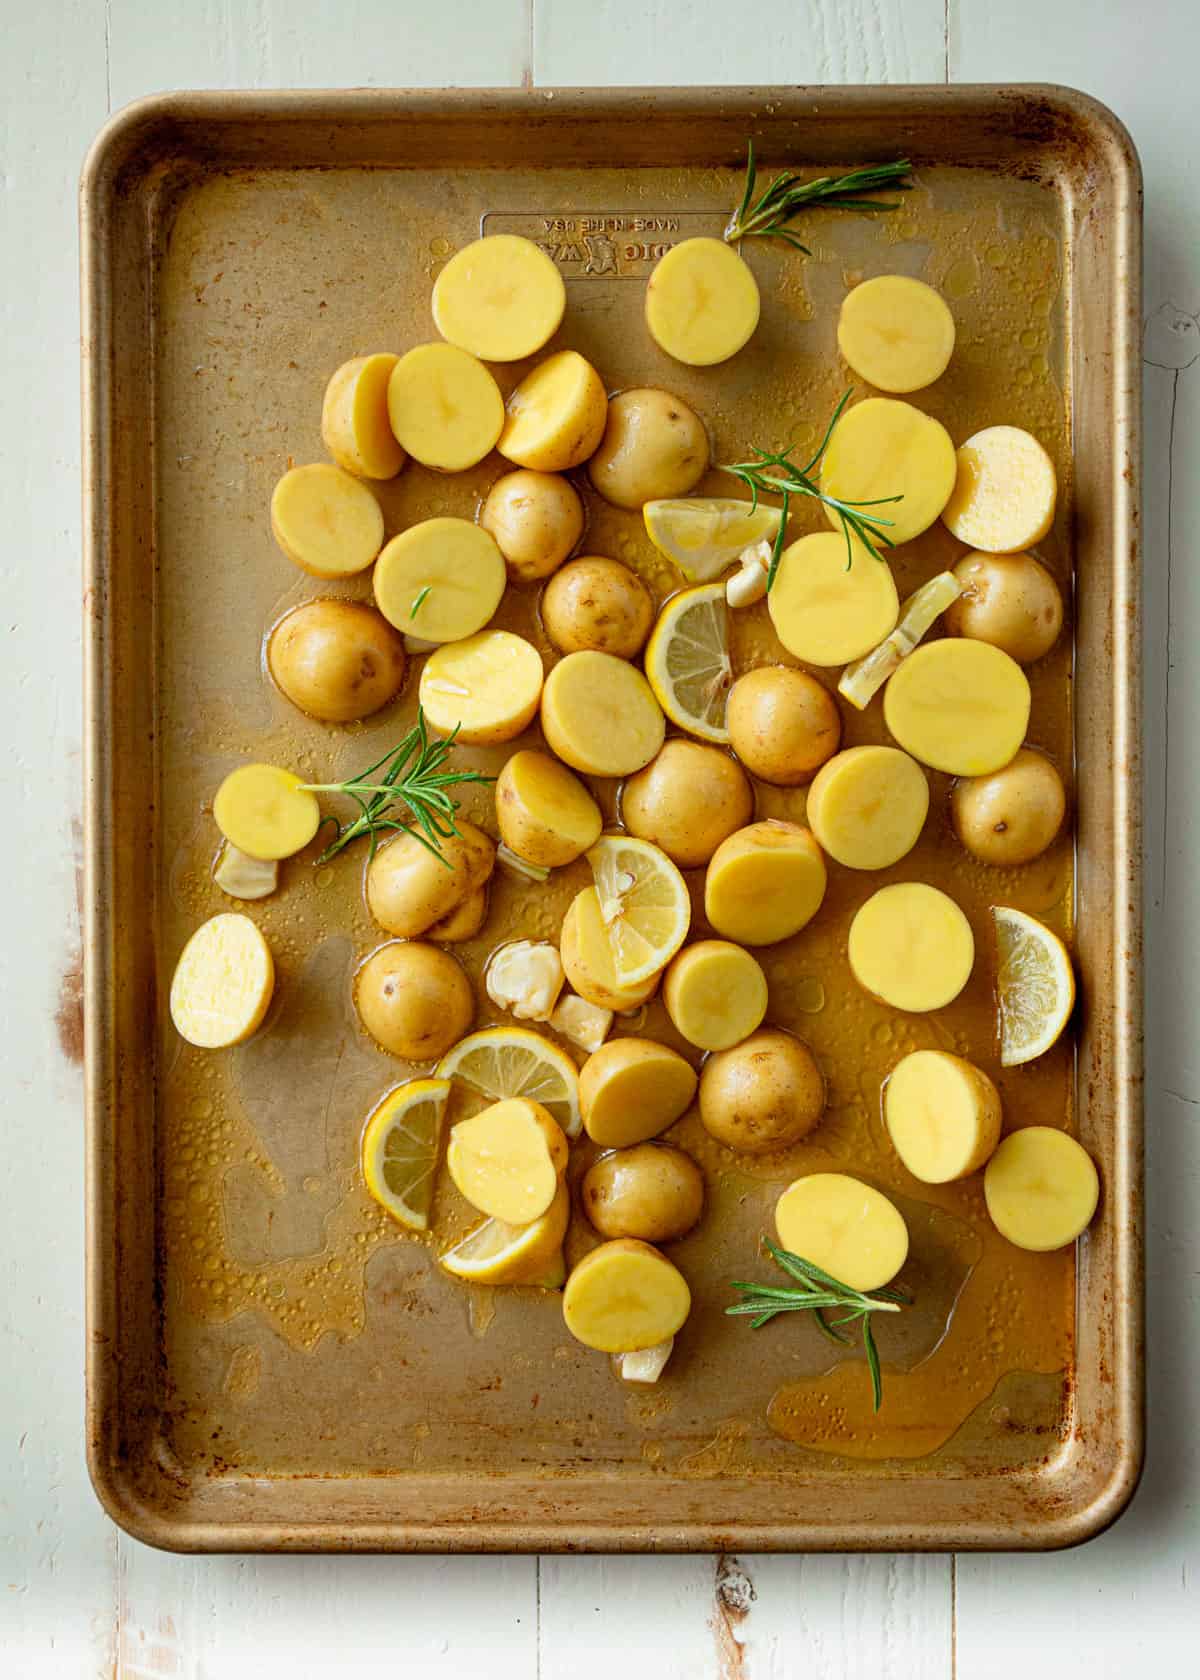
(242, 876)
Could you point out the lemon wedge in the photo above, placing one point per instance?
(862, 680)
(644, 905)
(687, 661)
(496, 1252)
(501, 1062)
(400, 1149)
(1035, 985)
(704, 534)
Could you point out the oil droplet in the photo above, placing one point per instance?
(961, 278)
(883, 1032)
(1024, 377)
(324, 877)
(440, 247)
(1039, 366)
(311, 1186)
(808, 994)
(201, 1110)
(1029, 338)
(851, 277)
(997, 256)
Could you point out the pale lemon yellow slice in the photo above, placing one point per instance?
(1035, 986)
(644, 905)
(496, 1252)
(501, 1062)
(687, 661)
(703, 535)
(400, 1150)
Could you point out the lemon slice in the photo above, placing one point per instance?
(400, 1149)
(704, 534)
(644, 905)
(862, 680)
(1035, 985)
(496, 1252)
(687, 661)
(514, 1062)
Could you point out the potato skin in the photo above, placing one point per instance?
(536, 519)
(765, 1094)
(651, 1191)
(520, 828)
(1010, 600)
(653, 445)
(598, 606)
(408, 889)
(414, 999)
(1011, 816)
(336, 660)
(783, 724)
(689, 798)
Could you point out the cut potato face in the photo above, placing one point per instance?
(1011, 816)
(845, 1227)
(487, 687)
(587, 957)
(223, 983)
(555, 417)
(326, 521)
(764, 883)
(1004, 492)
(959, 706)
(409, 889)
(536, 519)
(860, 682)
(783, 724)
(687, 800)
(826, 611)
(440, 580)
(912, 946)
(651, 1191)
(943, 1115)
(600, 715)
(599, 606)
(881, 448)
(266, 812)
(545, 813)
(336, 660)
(508, 1160)
(632, 1089)
(715, 993)
(868, 805)
(625, 1296)
(444, 406)
(501, 298)
(687, 661)
(413, 999)
(499, 1253)
(654, 447)
(1041, 1188)
(764, 1094)
(1009, 600)
(896, 333)
(701, 302)
(354, 418)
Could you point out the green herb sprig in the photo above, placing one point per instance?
(419, 599)
(816, 1292)
(409, 775)
(787, 480)
(788, 194)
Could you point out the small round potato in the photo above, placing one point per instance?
(408, 889)
(765, 1094)
(414, 1000)
(336, 660)
(597, 606)
(687, 800)
(652, 1191)
(1011, 816)
(653, 446)
(544, 812)
(536, 519)
(1009, 600)
(783, 724)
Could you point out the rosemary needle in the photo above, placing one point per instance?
(419, 600)
(788, 194)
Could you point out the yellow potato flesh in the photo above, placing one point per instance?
(500, 298)
(868, 805)
(600, 716)
(487, 687)
(625, 1296)
(546, 815)
(844, 1226)
(943, 1115)
(880, 448)
(326, 521)
(444, 406)
(508, 1160)
(715, 993)
(912, 946)
(223, 983)
(265, 812)
(354, 418)
(631, 1090)
(1041, 1188)
(556, 415)
(451, 571)
(764, 883)
(587, 957)
(896, 333)
(701, 302)
(1004, 491)
(959, 706)
(826, 611)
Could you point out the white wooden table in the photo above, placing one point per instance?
(79, 1599)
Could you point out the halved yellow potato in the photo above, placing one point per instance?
(625, 1296)
(487, 687)
(701, 302)
(501, 298)
(715, 993)
(463, 922)
(846, 1227)
(632, 1089)
(943, 1115)
(959, 706)
(545, 813)
(1041, 1188)
(266, 812)
(507, 1161)
(223, 983)
(556, 415)
(326, 521)
(409, 888)
(764, 883)
(444, 406)
(588, 959)
(354, 418)
(827, 607)
(896, 333)
(1004, 492)
(912, 946)
(881, 448)
(600, 716)
(440, 580)
(868, 805)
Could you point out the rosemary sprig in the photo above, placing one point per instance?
(409, 775)
(816, 1292)
(419, 600)
(870, 529)
(787, 195)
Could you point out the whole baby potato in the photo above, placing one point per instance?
(1011, 816)
(651, 1191)
(1009, 600)
(597, 606)
(654, 445)
(409, 889)
(783, 724)
(536, 519)
(766, 1093)
(336, 660)
(414, 1000)
(687, 800)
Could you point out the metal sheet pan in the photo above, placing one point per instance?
(381, 1437)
